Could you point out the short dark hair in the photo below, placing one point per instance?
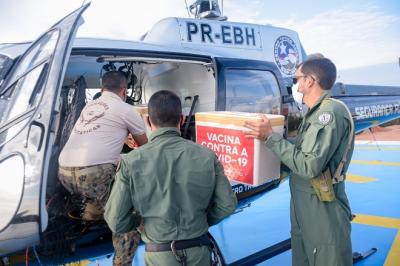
(114, 81)
(321, 68)
(165, 109)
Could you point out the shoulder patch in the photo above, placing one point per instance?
(325, 118)
(325, 102)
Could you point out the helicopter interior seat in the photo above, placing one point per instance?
(73, 100)
(73, 108)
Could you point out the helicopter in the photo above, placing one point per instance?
(212, 64)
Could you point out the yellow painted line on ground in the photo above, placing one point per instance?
(359, 178)
(375, 162)
(393, 258)
(377, 221)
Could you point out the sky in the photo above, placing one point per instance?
(355, 34)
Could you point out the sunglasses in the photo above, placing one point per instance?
(296, 79)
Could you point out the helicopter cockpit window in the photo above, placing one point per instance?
(21, 94)
(41, 51)
(252, 91)
(5, 65)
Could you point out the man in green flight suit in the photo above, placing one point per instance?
(177, 186)
(319, 211)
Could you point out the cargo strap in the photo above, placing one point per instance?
(338, 176)
(179, 258)
(216, 255)
(190, 115)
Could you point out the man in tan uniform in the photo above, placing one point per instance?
(89, 158)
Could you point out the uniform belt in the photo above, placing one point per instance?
(203, 240)
(71, 168)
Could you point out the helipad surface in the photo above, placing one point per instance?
(373, 188)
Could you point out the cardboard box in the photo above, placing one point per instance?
(143, 110)
(245, 161)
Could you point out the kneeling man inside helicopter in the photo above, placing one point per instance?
(89, 158)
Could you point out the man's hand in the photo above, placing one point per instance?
(140, 139)
(131, 142)
(140, 228)
(259, 130)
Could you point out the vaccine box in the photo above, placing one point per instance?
(143, 110)
(246, 161)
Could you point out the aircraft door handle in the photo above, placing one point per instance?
(42, 129)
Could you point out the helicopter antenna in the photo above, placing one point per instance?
(373, 136)
(206, 9)
(187, 8)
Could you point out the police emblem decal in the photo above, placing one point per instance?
(286, 55)
(325, 118)
(87, 120)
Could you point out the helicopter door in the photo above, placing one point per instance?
(28, 102)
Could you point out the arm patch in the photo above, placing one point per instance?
(325, 118)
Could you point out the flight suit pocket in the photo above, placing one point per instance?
(323, 186)
(310, 139)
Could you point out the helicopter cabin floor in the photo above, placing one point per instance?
(373, 188)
